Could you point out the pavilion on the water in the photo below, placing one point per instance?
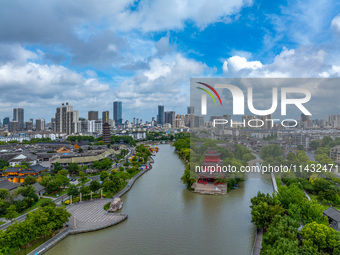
(206, 179)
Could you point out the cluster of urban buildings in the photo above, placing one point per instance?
(67, 121)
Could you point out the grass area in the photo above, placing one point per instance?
(1, 222)
(37, 204)
(81, 183)
(323, 203)
(278, 182)
(55, 195)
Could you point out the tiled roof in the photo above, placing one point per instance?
(333, 213)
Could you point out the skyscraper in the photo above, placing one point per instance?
(93, 115)
(39, 124)
(160, 116)
(67, 120)
(5, 121)
(105, 117)
(190, 110)
(169, 117)
(18, 115)
(117, 112)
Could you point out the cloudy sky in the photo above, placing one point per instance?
(143, 53)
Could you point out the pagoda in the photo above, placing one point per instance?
(211, 158)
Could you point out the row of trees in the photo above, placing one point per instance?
(40, 223)
(282, 214)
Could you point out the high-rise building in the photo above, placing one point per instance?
(18, 115)
(5, 121)
(93, 115)
(334, 121)
(13, 126)
(169, 117)
(67, 120)
(29, 125)
(39, 124)
(305, 121)
(160, 116)
(178, 122)
(198, 121)
(190, 110)
(117, 112)
(53, 124)
(105, 117)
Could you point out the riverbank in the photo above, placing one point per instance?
(89, 216)
(166, 218)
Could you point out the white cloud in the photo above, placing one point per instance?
(310, 62)
(41, 88)
(165, 82)
(159, 15)
(236, 63)
(336, 23)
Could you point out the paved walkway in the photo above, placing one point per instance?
(90, 214)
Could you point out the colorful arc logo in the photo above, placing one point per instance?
(209, 93)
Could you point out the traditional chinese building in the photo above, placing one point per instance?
(211, 159)
(17, 174)
(211, 169)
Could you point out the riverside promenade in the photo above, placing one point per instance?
(259, 232)
(90, 216)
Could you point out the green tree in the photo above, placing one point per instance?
(4, 193)
(84, 189)
(73, 190)
(187, 179)
(3, 163)
(63, 172)
(73, 168)
(57, 167)
(29, 180)
(11, 213)
(110, 186)
(94, 186)
(104, 175)
(82, 176)
(321, 236)
(45, 180)
(272, 150)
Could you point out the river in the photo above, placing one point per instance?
(166, 218)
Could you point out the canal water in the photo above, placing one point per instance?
(166, 218)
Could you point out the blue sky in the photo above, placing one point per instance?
(143, 53)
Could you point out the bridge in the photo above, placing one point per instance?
(254, 161)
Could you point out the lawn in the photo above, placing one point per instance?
(37, 204)
(324, 204)
(1, 222)
(55, 195)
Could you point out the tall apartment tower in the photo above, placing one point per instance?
(67, 120)
(169, 117)
(117, 112)
(18, 115)
(160, 116)
(105, 117)
(93, 115)
(190, 110)
(39, 124)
